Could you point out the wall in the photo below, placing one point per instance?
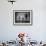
(37, 31)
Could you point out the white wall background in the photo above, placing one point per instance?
(38, 30)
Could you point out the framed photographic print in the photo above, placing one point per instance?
(22, 17)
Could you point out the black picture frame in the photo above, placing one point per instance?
(22, 17)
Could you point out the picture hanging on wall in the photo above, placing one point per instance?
(22, 17)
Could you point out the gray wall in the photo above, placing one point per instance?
(37, 31)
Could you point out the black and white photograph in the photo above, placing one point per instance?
(22, 16)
